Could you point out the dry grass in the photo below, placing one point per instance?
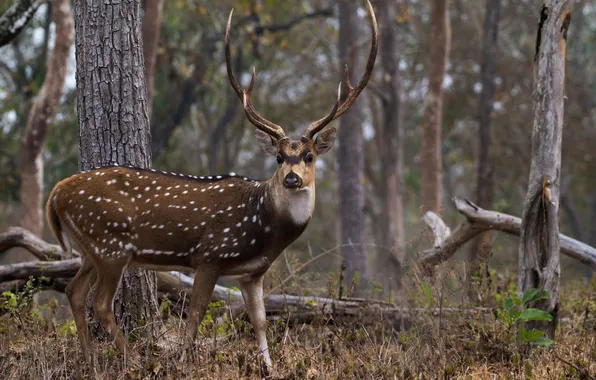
(471, 348)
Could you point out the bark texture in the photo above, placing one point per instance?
(351, 159)
(151, 29)
(539, 262)
(481, 247)
(440, 45)
(41, 117)
(113, 119)
(15, 19)
(390, 141)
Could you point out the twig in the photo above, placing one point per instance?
(299, 268)
(582, 371)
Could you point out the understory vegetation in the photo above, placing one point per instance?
(436, 338)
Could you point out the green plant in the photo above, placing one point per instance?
(68, 328)
(515, 312)
(428, 293)
(16, 303)
(165, 307)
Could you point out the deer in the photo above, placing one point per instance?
(218, 226)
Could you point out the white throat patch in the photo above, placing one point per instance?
(299, 205)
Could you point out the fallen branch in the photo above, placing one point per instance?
(304, 308)
(479, 220)
(51, 269)
(20, 237)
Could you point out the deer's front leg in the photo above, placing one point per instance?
(202, 289)
(252, 291)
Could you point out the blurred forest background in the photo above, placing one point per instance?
(198, 125)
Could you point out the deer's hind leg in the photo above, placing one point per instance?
(109, 276)
(77, 291)
(202, 289)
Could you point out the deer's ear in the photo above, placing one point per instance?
(266, 142)
(325, 140)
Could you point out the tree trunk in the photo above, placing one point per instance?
(390, 140)
(41, 117)
(151, 27)
(592, 220)
(592, 230)
(440, 44)
(113, 119)
(351, 160)
(481, 246)
(539, 265)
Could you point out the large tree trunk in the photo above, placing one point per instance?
(41, 117)
(539, 265)
(481, 247)
(351, 159)
(113, 119)
(391, 221)
(151, 27)
(440, 45)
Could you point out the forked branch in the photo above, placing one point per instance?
(479, 220)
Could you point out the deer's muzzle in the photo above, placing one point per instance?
(292, 181)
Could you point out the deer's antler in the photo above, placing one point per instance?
(253, 116)
(353, 93)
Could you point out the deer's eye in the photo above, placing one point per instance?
(309, 158)
(280, 159)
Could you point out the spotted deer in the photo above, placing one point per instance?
(216, 225)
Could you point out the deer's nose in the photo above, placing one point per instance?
(292, 181)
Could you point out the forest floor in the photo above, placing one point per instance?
(477, 346)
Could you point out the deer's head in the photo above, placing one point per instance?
(297, 158)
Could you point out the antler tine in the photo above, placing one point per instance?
(354, 92)
(318, 125)
(233, 80)
(253, 116)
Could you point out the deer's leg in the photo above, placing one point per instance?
(252, 292)
(77, 291)
(108, 281)
(202, 289)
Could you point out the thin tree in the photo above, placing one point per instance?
(151, 28)
(440, 45)
(481, 247)
(539, 265)
(390, 141)
(113, 119)
(350, 159)
(41, 116)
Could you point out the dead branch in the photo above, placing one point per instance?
(20, 237)
(301, 308)
(479, 220)
(51, 269)
(437, 226)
